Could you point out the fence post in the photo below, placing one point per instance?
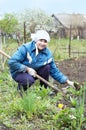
(69, 48)
(24, 32)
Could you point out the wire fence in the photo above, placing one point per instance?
(71, 53)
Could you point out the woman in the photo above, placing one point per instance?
(34, 57)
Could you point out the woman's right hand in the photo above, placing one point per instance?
(31, 71)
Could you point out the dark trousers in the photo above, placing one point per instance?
(26, 80)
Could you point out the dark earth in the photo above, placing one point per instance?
(75, 69)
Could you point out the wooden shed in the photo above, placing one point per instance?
(64, 22)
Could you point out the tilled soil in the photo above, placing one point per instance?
(75, 69)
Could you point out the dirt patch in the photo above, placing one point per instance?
(75, 69)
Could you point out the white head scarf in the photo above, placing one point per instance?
(40, 34)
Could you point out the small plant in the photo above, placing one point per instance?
(44, 92)
(80, 110)
(28, 103)
(77, 86)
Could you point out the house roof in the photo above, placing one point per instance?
(70, 19)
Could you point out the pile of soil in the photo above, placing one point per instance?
(75, 69)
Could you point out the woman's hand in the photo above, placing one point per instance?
(31, 71)
(71, 83)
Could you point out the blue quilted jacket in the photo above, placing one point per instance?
(26, 56)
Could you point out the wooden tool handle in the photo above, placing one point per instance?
(39, 77)
(3, 53)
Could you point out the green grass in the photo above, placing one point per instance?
(37, 110)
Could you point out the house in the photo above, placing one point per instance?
(70, 24)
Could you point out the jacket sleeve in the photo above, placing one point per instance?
(15, 62)
(57, 74)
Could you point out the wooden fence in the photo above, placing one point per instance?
(72, 53)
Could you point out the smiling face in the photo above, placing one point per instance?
(41, 44)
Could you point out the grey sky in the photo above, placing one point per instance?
(49, 6)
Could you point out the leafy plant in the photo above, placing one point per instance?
(43, 92)
(28, 103)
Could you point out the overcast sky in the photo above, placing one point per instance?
(49, 6)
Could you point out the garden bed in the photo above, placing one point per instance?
(75, 69)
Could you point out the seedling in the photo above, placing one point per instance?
(77, 86)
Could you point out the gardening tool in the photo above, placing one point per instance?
(3, 53)
(39, 77)
(42, 79)
(45, 81)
